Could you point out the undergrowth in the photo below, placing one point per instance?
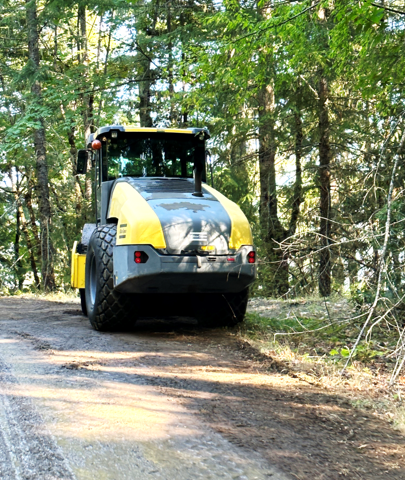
(314, 338)
(68, 295)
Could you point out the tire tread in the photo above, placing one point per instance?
(112, 309)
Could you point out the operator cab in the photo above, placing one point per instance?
(121, 151)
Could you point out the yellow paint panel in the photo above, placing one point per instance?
(207, 248)
(78, 269)
(142, 225)
(241, 233)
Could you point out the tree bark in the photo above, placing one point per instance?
(23, 223)
(172, 116)
(33, 222)
(266, 154)
(273, 231)
(145, 72)
(107, 56)
(324, 281)
(297, 193)
(73, 157)
(66, 228)
(18, 267)
(144, 92)
(87, 98)
(47, 269)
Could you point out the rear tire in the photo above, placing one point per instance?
(107, 309)
(221, 310)
(83, 301)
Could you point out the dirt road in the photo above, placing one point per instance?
(168, 401)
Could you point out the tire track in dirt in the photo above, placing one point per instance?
(278, 421)
(110, 422)
(29, 451)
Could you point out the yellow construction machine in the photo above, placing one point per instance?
(163, 241)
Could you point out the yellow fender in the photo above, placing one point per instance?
(78, 268)
(241, 234)
(137, 221)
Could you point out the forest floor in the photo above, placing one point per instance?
(172, 400)
(311, 339)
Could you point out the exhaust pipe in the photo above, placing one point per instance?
(198, 181)
(199, 166)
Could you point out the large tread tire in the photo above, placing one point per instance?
(83, 301)
(107, 309)
(221, 310)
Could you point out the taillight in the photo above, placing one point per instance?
(140, 257)
(252, 257)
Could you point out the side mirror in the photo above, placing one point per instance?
(83, 157)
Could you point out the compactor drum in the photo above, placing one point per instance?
(164, 242)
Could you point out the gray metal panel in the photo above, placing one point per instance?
(183, 274)
(187, 222)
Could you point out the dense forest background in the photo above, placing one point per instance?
(304, 100)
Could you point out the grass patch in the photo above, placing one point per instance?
(68, 296)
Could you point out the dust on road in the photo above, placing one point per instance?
(168, 400)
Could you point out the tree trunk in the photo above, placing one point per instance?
(107, 56)
(145, 72)
(87, 98)
(144, 92)
(172, 116)
(184, 114)
(324, 281)
(33, 222)
(73, 158)
(30, 247)
(266, 153)
(273, 231)
(22, 225)
(66, 228)
(77, 186)
(297, 193)
(47, 270)
(18, 267)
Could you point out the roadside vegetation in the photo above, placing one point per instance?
(312, 338)
(305, 103)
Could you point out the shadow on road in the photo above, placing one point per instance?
(309, 433)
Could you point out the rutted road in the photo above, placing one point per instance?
(166, 401)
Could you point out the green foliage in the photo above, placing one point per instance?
(207, 64)
(272, 325)
(364, 353)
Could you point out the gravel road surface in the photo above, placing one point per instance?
(167, 400)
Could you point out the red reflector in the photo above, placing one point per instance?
(252, 254)
(140, 257)
(230, 259)
(251, 260)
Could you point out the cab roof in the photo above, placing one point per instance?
(132, 128)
